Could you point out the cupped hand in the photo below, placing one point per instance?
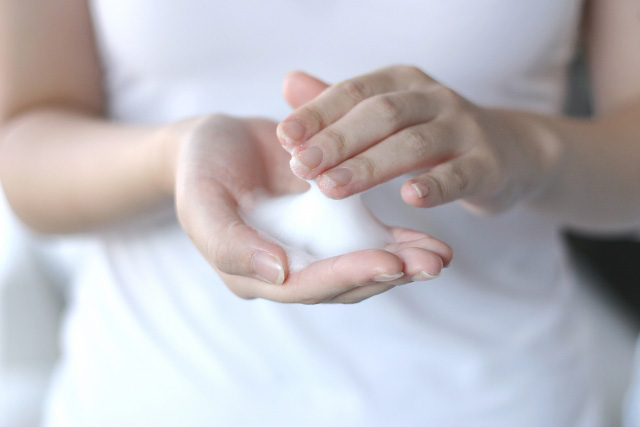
(369, 129)
(219, 164)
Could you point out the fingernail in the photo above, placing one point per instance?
(387, 277)
(420, 189)
(423, 275)
(309, 158)
(339, 177)
(292, 132)
(267, 267)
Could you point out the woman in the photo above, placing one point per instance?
(153, 338)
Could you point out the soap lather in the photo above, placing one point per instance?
(311, 226)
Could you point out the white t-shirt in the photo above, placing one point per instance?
(154, 338)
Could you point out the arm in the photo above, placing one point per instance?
(397, 120)
(63, 167)
(598, 183)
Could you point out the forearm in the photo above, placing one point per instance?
(594, 180)
(63, 171)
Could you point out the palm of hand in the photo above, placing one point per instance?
(236, 156)
(222, 163)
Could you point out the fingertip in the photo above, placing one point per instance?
(388, 265)
(420, 264)
(381, 264)
(384, 277)
(424, 276)
(291, 132)
(328, 189)
(298, 76)
(291, 73)
(298, 87)
(391, 271)
(298, 169)
(418, 194)
(279, 253)
(289, 80)
(411, 195)
(250, 253)
(284, 139)
(268, 267)
(447, 256)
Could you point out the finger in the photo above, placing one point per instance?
(338, 99)
(360, 294)
(368, 123)
(211, 219)
(429, 244)
(299, 88)
(461, 178)
(325, 279)
(401, 234)
(420, 264)
(417, 147)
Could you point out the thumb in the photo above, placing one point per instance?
(215, 226)
(299, 88)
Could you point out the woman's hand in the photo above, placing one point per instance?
(369, 129)
(221, 162)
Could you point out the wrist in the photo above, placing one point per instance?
(166, 141)
(540, 151)
(162, 150)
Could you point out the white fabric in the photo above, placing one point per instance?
(155, 338)
(306, 225)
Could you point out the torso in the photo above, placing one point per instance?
(154, 336)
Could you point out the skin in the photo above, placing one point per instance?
(584, 173)
(65, 168)
(215, 179)
(370, 129)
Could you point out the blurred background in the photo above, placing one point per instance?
(35, 273)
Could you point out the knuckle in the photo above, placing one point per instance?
(314, 118)
(436, 186)
(460, 179)
(338, 140)
(411, 74)
(390, 107)
(447, 96)
(219, 118)
(417, 142)
(448, 251)
(216, 124)
(355, 90)
(411, 71)
(365, 166)
(220, 251)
